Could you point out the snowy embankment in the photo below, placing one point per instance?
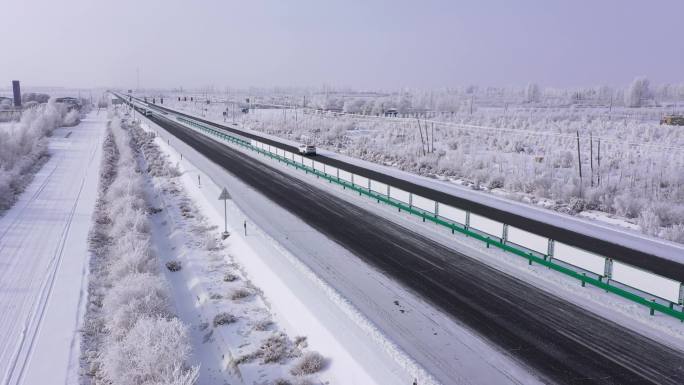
(130, 334)
(23, 147)
(232, 331)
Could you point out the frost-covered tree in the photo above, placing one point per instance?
(353, 106)
(35, 97)
(637, 92)
(532, 93)
(404, 105)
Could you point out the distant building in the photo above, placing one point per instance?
(16, 89)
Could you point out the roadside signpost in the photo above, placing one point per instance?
(224, 197)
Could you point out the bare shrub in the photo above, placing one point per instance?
(224, 319)
(263, 324)
(240, 294)
(230, 277)
(300, 342)
(274, 348)
(310, 363)
(174, 265)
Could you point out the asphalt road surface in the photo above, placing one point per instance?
(619, 252)
(560, 342)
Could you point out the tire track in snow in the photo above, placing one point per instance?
(33, 322)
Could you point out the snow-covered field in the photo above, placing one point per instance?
(521, 149)
(43, 255)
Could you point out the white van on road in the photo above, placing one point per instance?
(307, 149)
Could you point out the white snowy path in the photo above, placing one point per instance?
(43, 260)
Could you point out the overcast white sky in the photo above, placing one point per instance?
(363, 44)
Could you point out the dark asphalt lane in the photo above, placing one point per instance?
(650, 262)
(559, 341)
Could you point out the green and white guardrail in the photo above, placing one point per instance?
(656, 292)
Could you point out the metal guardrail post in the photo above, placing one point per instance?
(504, 235)
(608, 269)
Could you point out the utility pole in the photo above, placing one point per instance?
(579, 162)
(591, 158)
(610, 108)
(422, 143)
(599, 162)
(433, 137)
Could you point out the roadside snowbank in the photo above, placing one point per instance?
(130, 335)
(233, 332)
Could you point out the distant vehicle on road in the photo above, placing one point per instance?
(673, 120)
(307, 149)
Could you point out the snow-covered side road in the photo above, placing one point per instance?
(43, 260)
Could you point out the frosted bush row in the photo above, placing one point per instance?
(131, 336)
(23, 146)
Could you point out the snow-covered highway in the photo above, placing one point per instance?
(653, 255)
(563, 346)
(43, 260)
